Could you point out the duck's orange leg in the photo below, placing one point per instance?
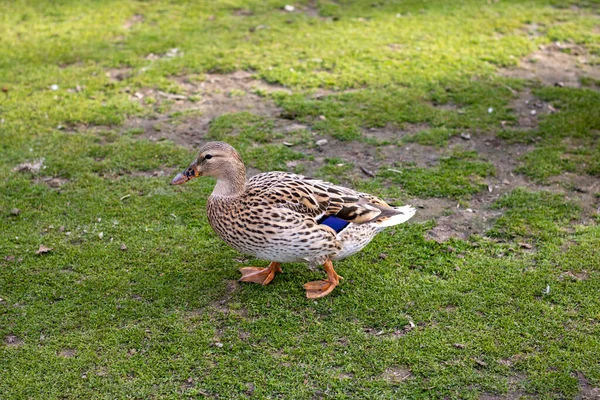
(260, 275)
(317, 289)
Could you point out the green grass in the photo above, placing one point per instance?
(457, 175)
(165, 319)
(568, 140)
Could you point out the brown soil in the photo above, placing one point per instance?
(219, 94)
(12, 340)
(556, 64)
(586, 390)
(528, 110)
(67, 353)
(131, 22)
(397, 375)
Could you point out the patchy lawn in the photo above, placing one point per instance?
(483, 114)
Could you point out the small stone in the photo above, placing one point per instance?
(219, 345)
(288, 144)
(322, 118)
(289, 8)
(54, 87)
(480, 362)
(101, 235)
(490, 110)
(533, 112)
(383, 256)
(469, 210)
(559, 84)
(465, 136)
(459, 345)
(123, 247)
(15, 211)
(321, 142)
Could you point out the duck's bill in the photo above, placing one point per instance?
(190, 173)
(180, 179)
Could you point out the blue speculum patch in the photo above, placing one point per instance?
(337, 224)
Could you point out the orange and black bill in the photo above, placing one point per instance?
(191, 172)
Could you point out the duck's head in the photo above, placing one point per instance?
(216, 159)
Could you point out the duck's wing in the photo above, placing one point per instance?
(316, 198)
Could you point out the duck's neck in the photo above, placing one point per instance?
(231, 182)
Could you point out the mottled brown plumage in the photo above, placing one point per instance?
(280, 217)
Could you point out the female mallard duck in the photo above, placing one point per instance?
(283, 217)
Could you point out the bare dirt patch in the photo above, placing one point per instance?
(53, 182)
(392, 134)
(528, 110)
(459, 221)
(397, 375)
(154, 173)
(575, 276)
(13, 340)
(504, 156)
(586, 390)
(119, 74)
(34, 166)
(462, 223)
(67, 353)
(134, 20)
(583, 189)
(218, 94)
(559, 64)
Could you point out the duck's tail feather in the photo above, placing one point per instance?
(401, 215)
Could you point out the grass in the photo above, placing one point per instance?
(513, 309)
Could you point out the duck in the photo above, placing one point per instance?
(283, 217)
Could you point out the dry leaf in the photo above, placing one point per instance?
(43, 249)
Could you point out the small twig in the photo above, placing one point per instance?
(172, 96)
(513, 91)
(367, 172)
(394, 170)
(124, 197)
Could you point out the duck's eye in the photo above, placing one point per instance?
(208, 156)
